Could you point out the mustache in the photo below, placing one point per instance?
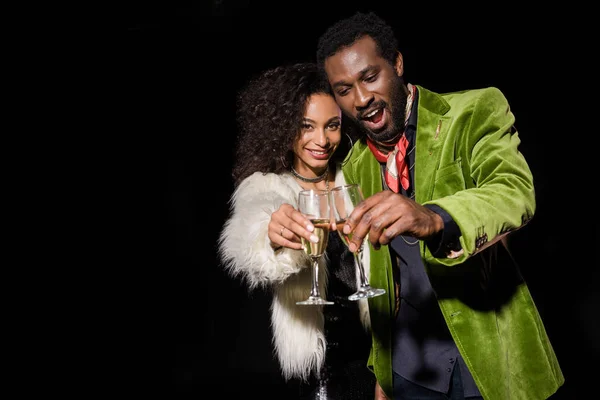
(379, 104)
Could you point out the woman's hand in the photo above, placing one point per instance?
(287, 226)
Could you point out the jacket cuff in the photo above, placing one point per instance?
(446, 243)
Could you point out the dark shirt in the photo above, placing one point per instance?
(423, 349)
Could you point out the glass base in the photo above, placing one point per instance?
(366, 292)
(314, 301)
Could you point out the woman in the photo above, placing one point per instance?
(291, 139)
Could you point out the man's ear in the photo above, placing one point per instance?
(399, 64)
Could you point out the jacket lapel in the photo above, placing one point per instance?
(432, 126)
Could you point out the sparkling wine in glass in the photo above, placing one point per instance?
(344, 199)
(314, 204)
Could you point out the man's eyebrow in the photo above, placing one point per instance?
(339, 83)
(361, 75)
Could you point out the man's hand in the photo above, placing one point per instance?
(379, 393)
(386, 215)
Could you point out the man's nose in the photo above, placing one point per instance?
(362, 98)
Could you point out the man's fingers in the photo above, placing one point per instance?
(369, 217)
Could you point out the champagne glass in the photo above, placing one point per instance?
(314, 204)
(344, 199)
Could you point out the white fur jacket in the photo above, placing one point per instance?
(244, 248)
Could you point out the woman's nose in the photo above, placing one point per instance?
(321, 138)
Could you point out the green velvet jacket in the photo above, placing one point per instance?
(468, 163)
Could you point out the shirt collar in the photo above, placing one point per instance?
(411, 124)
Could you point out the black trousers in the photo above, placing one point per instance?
(406, 390)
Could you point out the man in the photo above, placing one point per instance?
(445, 184)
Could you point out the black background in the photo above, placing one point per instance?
(183, 63)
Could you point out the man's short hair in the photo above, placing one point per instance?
(347, 31)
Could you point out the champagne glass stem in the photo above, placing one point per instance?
(365, 290)
(364, 282)
(314, 204)
(344, 199)
(315, 278)
(315, 294)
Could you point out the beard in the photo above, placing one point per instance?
(393, 131)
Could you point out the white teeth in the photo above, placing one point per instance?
(369, 115)
(318, 152)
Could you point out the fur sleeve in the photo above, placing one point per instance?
(244, 246)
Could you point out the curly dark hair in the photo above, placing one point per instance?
(270, 111)
(347, 31)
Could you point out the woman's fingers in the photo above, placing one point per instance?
(287, 226)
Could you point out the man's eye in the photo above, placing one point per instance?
(342, 92)
(370, 78)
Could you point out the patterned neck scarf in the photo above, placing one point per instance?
(395, 161)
